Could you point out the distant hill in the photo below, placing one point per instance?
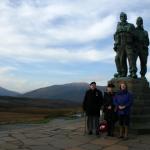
(56, 96)
(5, 92)
(71, 91)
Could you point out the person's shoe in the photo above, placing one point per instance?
(134, 76)
(143, 77)
(117, 75)
(130, 76)
(90, 133)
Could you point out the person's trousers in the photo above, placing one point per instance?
(110, 126)
(92, 123)
(125, 52)
(143, 55)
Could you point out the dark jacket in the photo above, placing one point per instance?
(123, 98)
(108, 101)
(92, 102)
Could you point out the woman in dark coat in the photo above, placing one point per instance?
(109, 109)
(91, 105)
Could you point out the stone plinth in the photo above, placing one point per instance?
(134, 85)
(140, 116)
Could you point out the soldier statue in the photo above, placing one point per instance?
(141, 45)
(124, 47)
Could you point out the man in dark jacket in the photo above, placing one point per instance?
(91, 105)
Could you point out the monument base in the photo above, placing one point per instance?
(140, 116)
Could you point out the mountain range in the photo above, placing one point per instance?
(6, 92)
(71, 92)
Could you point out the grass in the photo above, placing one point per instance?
(34, 115)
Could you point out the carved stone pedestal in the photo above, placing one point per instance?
(140, 116)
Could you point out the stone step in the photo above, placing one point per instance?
(141, 103)
(140, 128)
(140, 118)
(144, 110)
(145, 90)
(142, 99)
(142, 96)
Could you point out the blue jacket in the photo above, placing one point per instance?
(123, 98)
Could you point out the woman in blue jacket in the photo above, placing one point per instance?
(123, 102)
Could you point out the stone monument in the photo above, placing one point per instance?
(130, 43)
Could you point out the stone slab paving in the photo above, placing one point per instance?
(63, 134)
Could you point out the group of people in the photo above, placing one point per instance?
(130, 43)
(113, 105)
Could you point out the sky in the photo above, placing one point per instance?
(46, 42)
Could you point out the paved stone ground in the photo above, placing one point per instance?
(61, 134)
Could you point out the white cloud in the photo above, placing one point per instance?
(25, 32)
(7, 80)
(27, 28)
(40, 31)
(13, 83)
(20, 84)
(6, 69)
(99, 79)
(97, 30)
(148, 76)
(17, 83)
(148, 62)
(59, 55)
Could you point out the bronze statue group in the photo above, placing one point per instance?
(130, 43)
